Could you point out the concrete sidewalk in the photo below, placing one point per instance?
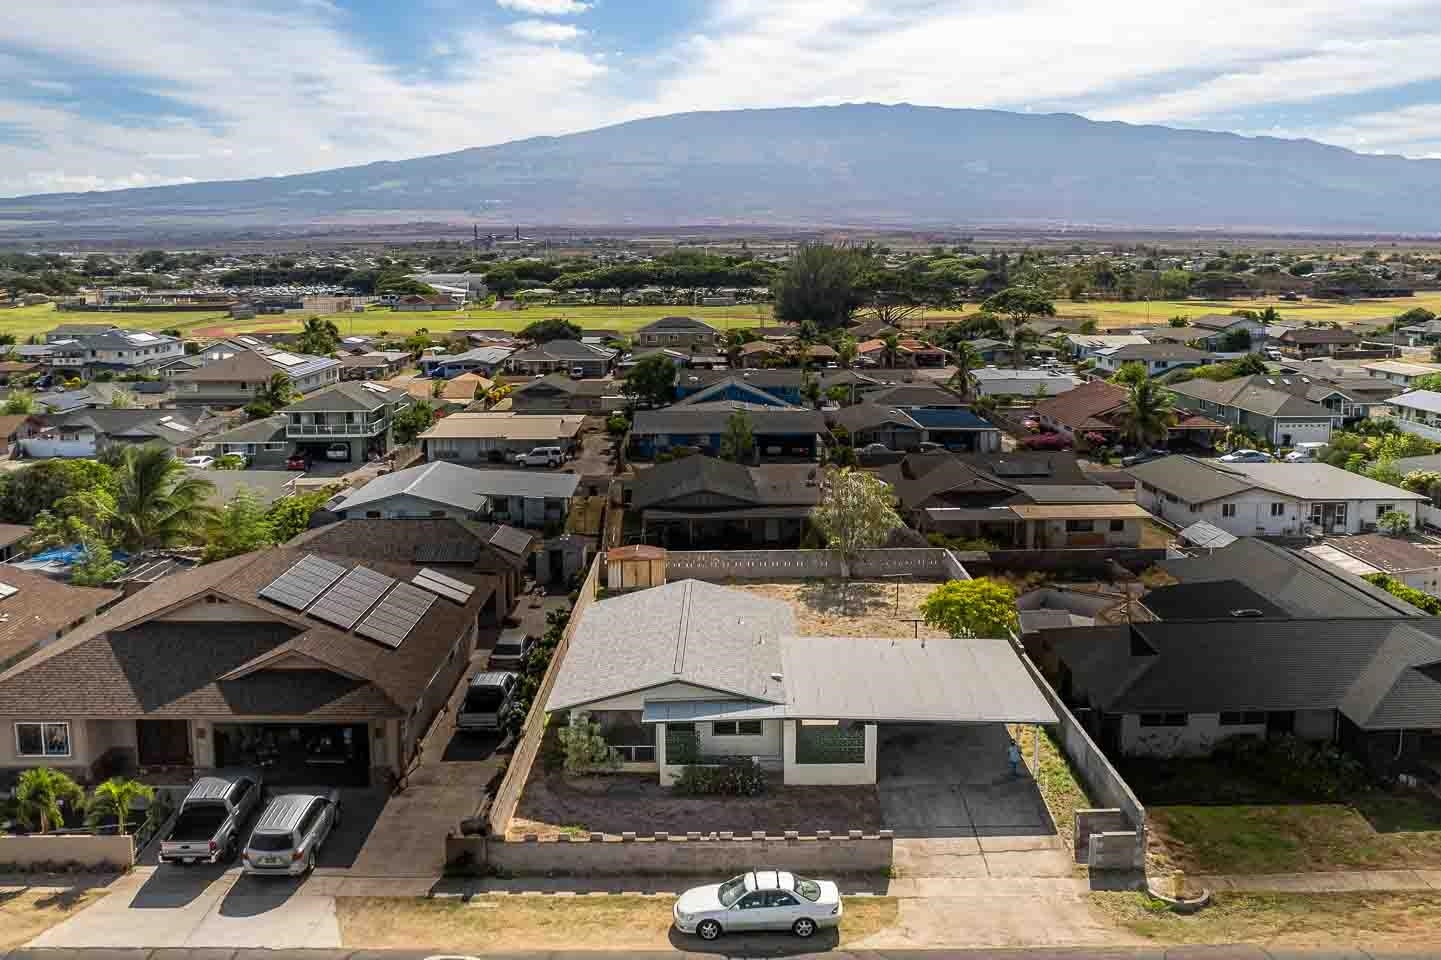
(1333, 881)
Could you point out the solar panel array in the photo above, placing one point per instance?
(346, 602)
(440, 584)
(299, 586)
(396, 615)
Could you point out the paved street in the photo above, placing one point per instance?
(754, 947)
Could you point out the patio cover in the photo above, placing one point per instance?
(690, 711)
(953, 680)
(1080, 511)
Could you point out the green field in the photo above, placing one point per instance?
(22, 322)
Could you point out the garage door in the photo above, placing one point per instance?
(297, 754)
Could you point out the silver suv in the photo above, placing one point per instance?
(289, 834)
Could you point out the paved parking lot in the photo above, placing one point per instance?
(948, 793)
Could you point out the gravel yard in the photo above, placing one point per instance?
(861, 608)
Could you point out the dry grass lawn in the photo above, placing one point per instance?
(528, 923)
(1332, 920)
(612, 804)
(862, 608)
(29, 913)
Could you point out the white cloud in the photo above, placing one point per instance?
(546, 8)
(543, 31)
(1414, 130)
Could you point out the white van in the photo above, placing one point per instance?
(1306, 452)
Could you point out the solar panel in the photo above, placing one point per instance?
(347, 601)
(298, 587)
(395, 616)
(439, 583)
(7, 591)
(285, 359)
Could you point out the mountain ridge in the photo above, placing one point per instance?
(847, 165)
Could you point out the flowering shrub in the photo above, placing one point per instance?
(1046, 441)
(1095, 439)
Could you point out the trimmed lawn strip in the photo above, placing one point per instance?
(1060, 787)
(1377, 832)
(29, 913)
(1331, 920)
(540, 922)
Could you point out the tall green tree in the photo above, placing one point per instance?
(651, 381)
(39, 795)
(158, 503)
(890, 350)
(820, 285)
(738, 443)
(241, 526)
(1147, 414)
(20, 402)
(115, 797)
(412, 422)
(318, 337)
(856, 512)
(290, 516)
(552, 328)
(1018, 306)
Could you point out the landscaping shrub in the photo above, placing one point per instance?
(1401, 591)
(740, 778)
(1306, 770)
(1046, 441)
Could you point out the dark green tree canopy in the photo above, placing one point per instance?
(651, 381)
(553, 328)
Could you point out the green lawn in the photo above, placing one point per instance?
(1376, 831)
(24, 321)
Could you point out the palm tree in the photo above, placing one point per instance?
(983, 406)
(276, 392)
(1147, 414)
(966, 360)
(158, 502)
(890, 349)
(846, 350)
(38, 796)
(318, 336)
(115, 797)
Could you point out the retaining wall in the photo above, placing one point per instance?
(824, 854)
(923, 563)
(92, 851)
(1122, 812)
(507, 796)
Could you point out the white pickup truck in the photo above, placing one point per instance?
(207, 829)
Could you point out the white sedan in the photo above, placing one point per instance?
(200, 463)
(760, 900)
(1247, 456)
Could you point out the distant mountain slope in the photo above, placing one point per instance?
(857, 165)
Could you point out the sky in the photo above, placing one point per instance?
(124, 93)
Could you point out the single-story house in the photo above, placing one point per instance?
(1019, 384)
(689, 672)
(1372, 553)
(776, 432)
(699, 502)
(907, 429)
(1306, 342)
(1417, 412)
(687, 333)
(87, 433)
(318, 668)
(558, 393)
(375, 365)
(1212, 329)
(782, 384)
(580, 360)
(424, 302)
(486, 361)
(1156, 358)
(1268, 499)
(498, 437)
(264, 441)
(1402, 373)
(466, 388)
(1086, 346)
(1099, 407)
(440, 489)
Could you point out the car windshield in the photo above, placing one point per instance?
(731, 890)
(808, 889)
(270, 842)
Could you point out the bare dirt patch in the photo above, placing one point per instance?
(25, 914)
(553, 804)
(862, 608)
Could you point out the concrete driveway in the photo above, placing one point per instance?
(201, 907)
(948, 793)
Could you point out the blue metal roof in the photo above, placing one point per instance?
(953, 419)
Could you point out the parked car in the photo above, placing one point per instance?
(200, 462)
(338, 451)
(542, 457)
(489, 698)
(872, 448)
(1247, 456)
(297, 461)
(760, 900)
(207, 828)
(1306, 452)
(510, 649)
(290, 833)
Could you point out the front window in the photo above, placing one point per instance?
(1278, 509)
(1080, 526)
(731, 890)
(736, 728)
(1228, 509)
(42, 739)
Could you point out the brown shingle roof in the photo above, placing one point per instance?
(1083, 407)
(41, 607)
(125, 662)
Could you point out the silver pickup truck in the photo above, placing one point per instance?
(207, 829)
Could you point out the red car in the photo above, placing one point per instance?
(297, 461)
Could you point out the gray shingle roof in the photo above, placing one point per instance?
(1190, 479)
(688, 631)
(348, 395)
(1246, 393)
(461, 487)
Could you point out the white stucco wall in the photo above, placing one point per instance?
(1252, 512)
(1200, 735)
(42, 449)
(828, 774)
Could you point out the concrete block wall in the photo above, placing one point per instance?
(924, 563)
(824, 854)
(1116, 850)
(107, 852)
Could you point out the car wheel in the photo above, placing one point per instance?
(708, 930)
(803, 927)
